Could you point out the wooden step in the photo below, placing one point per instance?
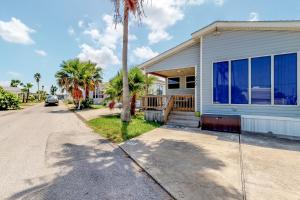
(185, 123)
(183, 113)
(184, 117)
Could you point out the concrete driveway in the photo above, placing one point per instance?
(194, 164)
(48, 153)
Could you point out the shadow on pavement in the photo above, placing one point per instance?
(194, 174)
(89, 172)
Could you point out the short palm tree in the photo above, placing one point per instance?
(15, 83)
(37, 77)
(26, 88)
(75, 76)
(137, 82)
(135, 7)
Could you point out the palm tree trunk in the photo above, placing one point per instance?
(38, 83)
(87, 92)
(126, 107)
(132, 106)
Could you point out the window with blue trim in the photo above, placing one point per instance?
(285, 79)
(220, 83)
(239, 82)
(261, 80)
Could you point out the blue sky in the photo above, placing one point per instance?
(37, 35)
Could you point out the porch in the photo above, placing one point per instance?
(179, 96)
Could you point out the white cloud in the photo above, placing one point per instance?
(80, 23)
(159, 35)
(16, 32)
(71, 31)
(144, 53)
(13, 74)
(253, 16)
(111, 34)
(163, 14)
(103, 56)
(40, 52)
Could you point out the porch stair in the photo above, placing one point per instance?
(185, 119)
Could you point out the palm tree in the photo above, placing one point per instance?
(137, 82)
(37, 77)
(92, 77)
(26, 88)
(135, 7)
(75, 74)
(15, 83)
(53, 89)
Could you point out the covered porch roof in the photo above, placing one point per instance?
(189, 71)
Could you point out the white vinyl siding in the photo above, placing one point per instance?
(232, 45)
(186, 58)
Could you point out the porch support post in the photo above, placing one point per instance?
(201, 75)
(147, 84)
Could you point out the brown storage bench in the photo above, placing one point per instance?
(222, 123)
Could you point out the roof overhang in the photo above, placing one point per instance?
(248, 25)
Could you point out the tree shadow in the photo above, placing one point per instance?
(92, 169)
(186, 170)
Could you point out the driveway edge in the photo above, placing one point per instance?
(145, 171)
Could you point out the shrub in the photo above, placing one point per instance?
(87, 103)
(8, 100)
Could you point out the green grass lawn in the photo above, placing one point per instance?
(97, 106)
(112, 128)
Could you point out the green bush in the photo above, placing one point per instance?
(8, 100)
(87, 103)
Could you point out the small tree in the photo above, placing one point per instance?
(15, 83)
(37, 77)
(8, 100)
(53, 89)
(26, 88)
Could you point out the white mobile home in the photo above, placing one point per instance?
(250, 69)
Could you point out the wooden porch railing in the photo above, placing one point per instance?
(154, 102)
(179, 102)
(184, 103)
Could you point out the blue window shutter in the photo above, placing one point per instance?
(239, 82)
(261, 80)
(220, 82)
(285, 79)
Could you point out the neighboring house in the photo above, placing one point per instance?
(98, 95)
(251, 69)
(14, 90)
(158, 87)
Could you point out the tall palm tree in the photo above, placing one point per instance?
(15, 83)
(135, 7)
(37, 77)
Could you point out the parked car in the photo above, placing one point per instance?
(51, 100)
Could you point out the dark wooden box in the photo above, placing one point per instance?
(222, 123)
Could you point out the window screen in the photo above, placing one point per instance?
(174, 83)
(190, 82)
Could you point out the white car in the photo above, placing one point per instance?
(51, 100)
